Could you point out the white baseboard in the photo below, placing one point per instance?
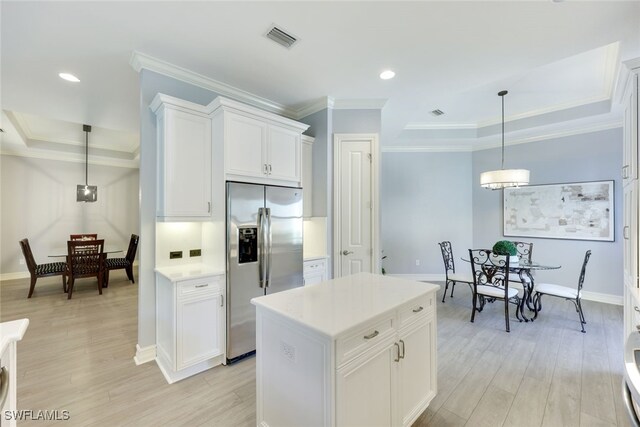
(586, 295)
(14, 276)
(144, 354)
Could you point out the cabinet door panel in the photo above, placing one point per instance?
(417, 370)
(284, 154)
(630, 233)
(187, 165)
(198, 329)
(245, 145)
(630, 148)
(365, 394)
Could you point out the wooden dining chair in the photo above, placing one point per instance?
(570, 294)
(491, 281)
(125, 263)
(451, 277)
(83, 236)
(85, 263)
(42, 270)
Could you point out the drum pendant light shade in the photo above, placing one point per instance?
(503, 178)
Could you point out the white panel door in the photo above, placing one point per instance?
(630, 234)
(356, 243)
(365, 390)
(199, 335)
(417, 383)
(283, 158)
(245, 146)
(187, 165)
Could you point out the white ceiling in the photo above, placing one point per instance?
(553, 57)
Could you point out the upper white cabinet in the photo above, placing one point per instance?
(258, 146)
(307, 176)
(630, 151)
(184, 159)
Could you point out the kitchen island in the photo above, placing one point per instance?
(358, 350)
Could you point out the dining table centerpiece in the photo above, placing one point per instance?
(505, 247)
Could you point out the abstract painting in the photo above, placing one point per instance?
(580, 210)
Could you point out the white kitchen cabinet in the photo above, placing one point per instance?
(307, 176)
(190, 325)
(314, 271)
(630, 234)
(630, 147)
(258, 146)
(10, 333)
(184, 160)
(371, 362)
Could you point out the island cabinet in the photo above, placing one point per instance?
(10, 333)
(355, 351)
(314, 271)
(190, 325)
(184, 151)
(258, 146)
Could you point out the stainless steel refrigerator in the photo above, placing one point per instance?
(264, 254)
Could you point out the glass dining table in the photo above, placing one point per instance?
(524, 269)
(59, 252)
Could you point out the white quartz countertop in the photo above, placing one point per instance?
(334, 306)
(12, 331)
(187, 271)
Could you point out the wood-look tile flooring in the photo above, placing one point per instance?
(77, 355)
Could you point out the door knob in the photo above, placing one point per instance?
(346, 252)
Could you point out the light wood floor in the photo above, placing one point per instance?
(77, 355)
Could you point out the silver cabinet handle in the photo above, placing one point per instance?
(346, 252)
(221, 300)
(625, 172)
(636, 309)
(371, 335)
(269, 168)
(266, 170)
(209, 207)
(625, 233)
(202, 286)
(4, 385)
(402, 342)
(397, 359)
(418, 310)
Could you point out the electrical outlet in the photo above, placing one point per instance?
(175, 254)
(417, 262)
(21, 261)
(195, 252)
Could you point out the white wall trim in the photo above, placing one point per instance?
(326, 102)
(14, 276)
(373, 140)
(140, 60)
(35, 153)
(420, 149)
(604, 298)
(359, 104)
(144, 354)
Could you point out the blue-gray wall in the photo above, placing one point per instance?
(587, 157)
(150, 85)
(426, 198)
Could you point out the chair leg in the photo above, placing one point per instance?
(453, 285)
(106, 279)
(100, 282)
(64, 283)
(129, 271)
(581, 312)
(506, 312)
(32, 286)
(70, 288)
(536, 303)
(473, 308)
(446, 286)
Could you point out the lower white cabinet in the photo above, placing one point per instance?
(314, 271)
(190, 325)
(10, 333)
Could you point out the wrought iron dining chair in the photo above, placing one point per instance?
(525, 249)
(570, 294)
(42, 270)
(451, 277)
(85, 263)
(491, 281)
(126, 262)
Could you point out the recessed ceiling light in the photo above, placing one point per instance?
(69, 77)
(387, 74)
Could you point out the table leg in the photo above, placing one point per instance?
(527, 285)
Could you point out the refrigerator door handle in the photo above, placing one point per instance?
(261, 247)
(268, 247)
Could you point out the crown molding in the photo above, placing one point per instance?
(11, 150)
(323, 103)
(141, 61)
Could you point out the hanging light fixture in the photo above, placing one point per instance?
(497, 179)
(86, 192)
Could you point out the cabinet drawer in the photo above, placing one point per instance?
(635, 316)
(200, 286)
(416, 309)
(363, 338)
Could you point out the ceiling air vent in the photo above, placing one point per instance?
(437, 113)
(281, 37)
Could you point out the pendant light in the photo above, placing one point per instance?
(503, 178)
(86, 192)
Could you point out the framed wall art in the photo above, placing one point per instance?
(578, 210)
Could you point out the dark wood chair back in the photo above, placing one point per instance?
(133, 247)
(28, 255)
(83, 236)
(42, 270)
(85, 259)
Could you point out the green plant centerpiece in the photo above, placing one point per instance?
(505, 247)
